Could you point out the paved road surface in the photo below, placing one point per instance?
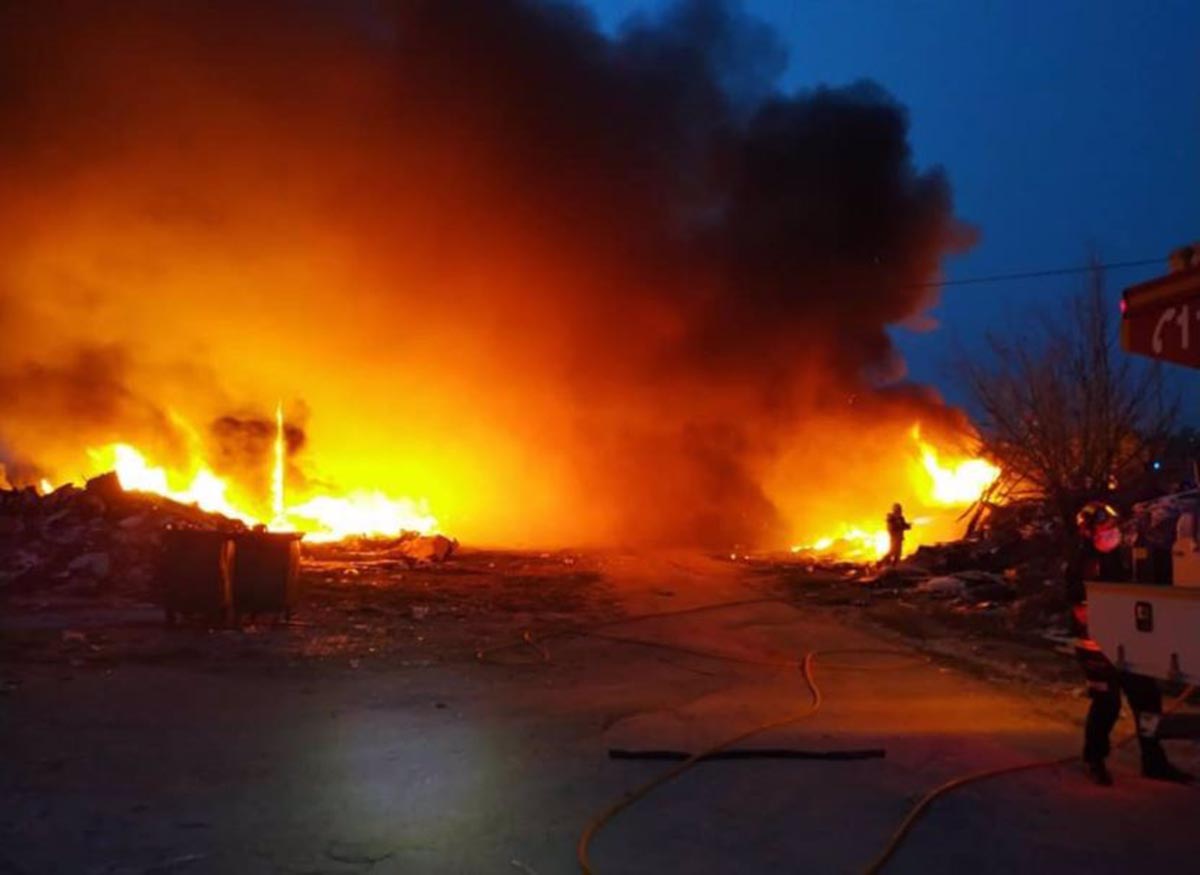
(486, 769)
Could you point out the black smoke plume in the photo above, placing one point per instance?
(566, 284)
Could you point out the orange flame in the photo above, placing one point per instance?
(956, 485)
(204, 488)
(362, 512)
(320, 517)
(940, 484)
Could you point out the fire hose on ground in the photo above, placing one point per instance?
(727, 749)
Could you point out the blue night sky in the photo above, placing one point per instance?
(1064, 125)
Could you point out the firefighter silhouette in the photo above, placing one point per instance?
(897, 525)
(1094, 557)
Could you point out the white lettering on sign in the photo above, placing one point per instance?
(1156, 342)
(1182, 318)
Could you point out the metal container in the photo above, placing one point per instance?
(1150, 630)
(266, 571)
(196, 573)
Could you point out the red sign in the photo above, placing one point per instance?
(1162, 318)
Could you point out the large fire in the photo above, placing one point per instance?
(565, 285)
(940, 482)
(942, 486)
(320, 517)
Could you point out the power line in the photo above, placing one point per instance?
(1033, 274)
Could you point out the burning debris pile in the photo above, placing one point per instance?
(108, 535)
(1007, 572)
(101, 538)
(1004, 578)
(94, 539)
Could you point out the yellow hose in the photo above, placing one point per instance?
(919, 810)
(806, 666)
(598, 822)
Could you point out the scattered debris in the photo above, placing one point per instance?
(426, 548)
(947, 586)
(409, 548)
(94, 565)
(1006, 576)
(101, 539)
(901, 575)
(95, 539)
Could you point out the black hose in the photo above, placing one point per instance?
(753, 753)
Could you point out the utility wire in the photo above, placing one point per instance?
(1032, 274)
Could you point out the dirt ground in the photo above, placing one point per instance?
(366, 736)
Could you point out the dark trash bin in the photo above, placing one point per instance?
(266, 571)
(195, 573)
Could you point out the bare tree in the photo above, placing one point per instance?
(1065, 413)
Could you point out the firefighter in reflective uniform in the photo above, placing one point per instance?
(1094, 557)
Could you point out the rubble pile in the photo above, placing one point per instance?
(82, 541)
(1009, 570)
(1014, 536)
(1008, 574)
(102, 539)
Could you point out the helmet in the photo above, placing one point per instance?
(1097, 522)
(1094, 515)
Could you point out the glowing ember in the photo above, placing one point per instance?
(939, 485)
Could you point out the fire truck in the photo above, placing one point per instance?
(1152, 627)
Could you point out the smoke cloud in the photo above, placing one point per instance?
(566, 285)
